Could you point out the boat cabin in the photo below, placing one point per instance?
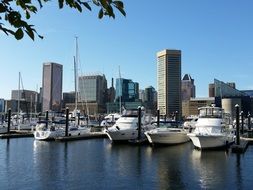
(210, 112)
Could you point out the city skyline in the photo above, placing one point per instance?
(214, 37)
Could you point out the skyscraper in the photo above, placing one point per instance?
(93, 88)
(127, 90)
(52, 86)
(169, 82)
(188, 88)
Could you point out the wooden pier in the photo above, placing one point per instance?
(16, 134)
(91, 135)
(241, 148)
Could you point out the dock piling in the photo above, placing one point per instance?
(139, 123)
(242, 123)
(67, 122)
(249, 122)
(47, 119)
(158, 118)
(9, 120)
(237, 125)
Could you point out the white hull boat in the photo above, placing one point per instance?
(43, 133)
(212, 130)
(54, 131)
(126, 127)
(167, 136)
(211, 141)
(3, 129)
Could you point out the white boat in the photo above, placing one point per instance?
(3, 128)
(42, 132)
(167, 134)
(190, 122)
(110, 119)
(213, 129)
(57, 129)
(126, 127)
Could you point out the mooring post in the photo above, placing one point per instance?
(249, 122)
(242, 123)
(2, 118)
(47, 119)
(176, 117)
(139, 123)
(9, 120)
(237, 125)
(158, 118)
(67, 122)
(87, 121)
(78, 118)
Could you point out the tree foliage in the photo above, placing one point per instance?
(18, 12)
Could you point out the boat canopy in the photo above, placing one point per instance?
(210, 112)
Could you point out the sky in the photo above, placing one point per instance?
(215, 37)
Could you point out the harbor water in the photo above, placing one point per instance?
(98, 164)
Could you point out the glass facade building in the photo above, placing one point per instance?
(93, 88)
(1, 105)
(127, 90)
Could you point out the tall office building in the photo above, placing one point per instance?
(127, 90)
(93, 88)
(169, 82)
(52, 86)
(188, 87)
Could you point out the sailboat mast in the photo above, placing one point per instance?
(19, 92)
(75, 73)
(120, 92)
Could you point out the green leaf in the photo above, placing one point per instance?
(95, 2)
(87, 5)
(122, 11)
(118, 4)
(30, 33)
(101, 13)
(19, 34)
(109, 11)
(2, 8)
(27, 15)
(79, 8)
(60, 3)
(104, 3)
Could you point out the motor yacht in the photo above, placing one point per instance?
(126, 127)
(168, 133)
(213, 129)
(57, 129)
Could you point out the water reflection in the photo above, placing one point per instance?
(98, 164)
(171, 164)
(238, 172)
(47, 158)
(211, 168)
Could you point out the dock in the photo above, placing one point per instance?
(16, 134)
(242, 147)
(91, 135)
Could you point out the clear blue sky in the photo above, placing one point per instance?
(215, 36)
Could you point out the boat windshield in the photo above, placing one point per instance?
(212, 112)
(130, 113)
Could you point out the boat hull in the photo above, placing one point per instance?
(210, 141)
(122, 135)
(167, 138)
(47, 135)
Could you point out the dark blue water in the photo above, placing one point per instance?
(98, 164)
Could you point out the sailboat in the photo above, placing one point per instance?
(76, 128)
(21, 122)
